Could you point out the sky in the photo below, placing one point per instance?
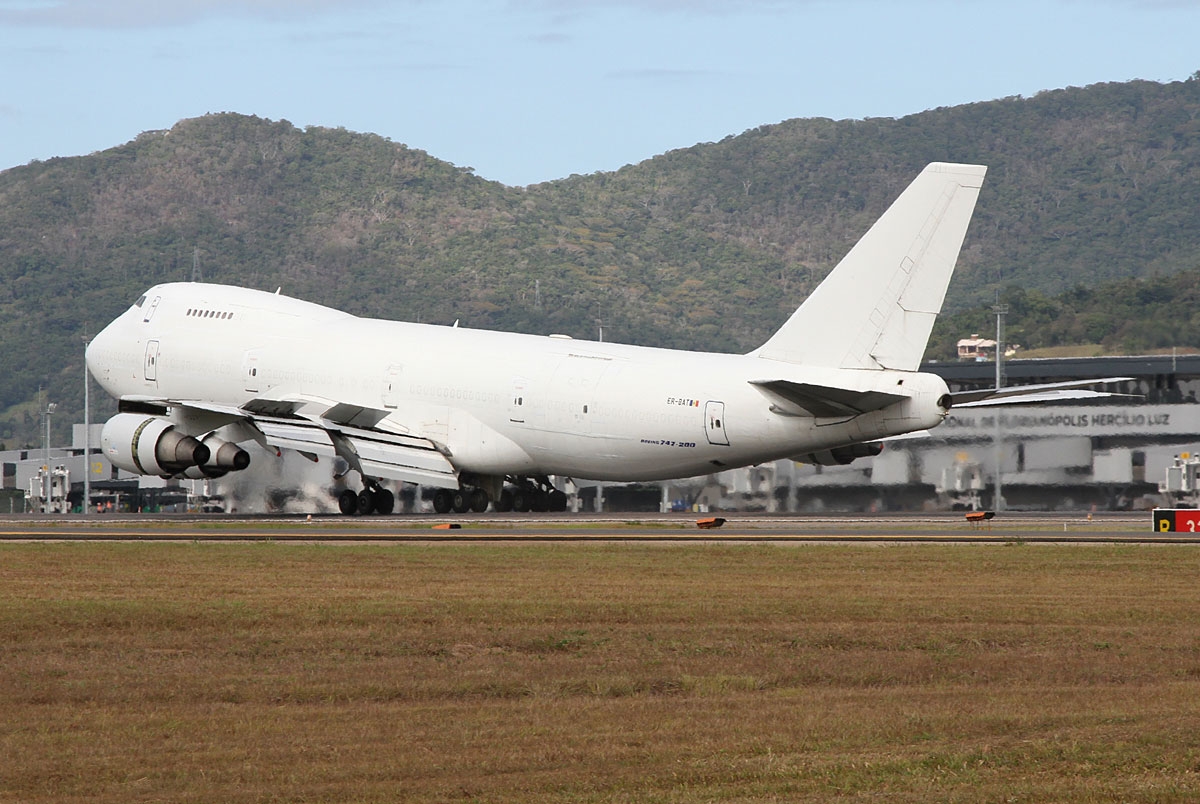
(525, 91)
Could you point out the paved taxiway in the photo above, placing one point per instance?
(945, 528)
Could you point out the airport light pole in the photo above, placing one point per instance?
(87, 433)
(1000, 311)
(46, 484)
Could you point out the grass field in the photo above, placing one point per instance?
(593, 673)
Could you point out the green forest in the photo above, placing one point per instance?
(1087, 227)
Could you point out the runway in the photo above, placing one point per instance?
(1124, 528)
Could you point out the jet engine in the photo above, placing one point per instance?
(840, 456)
(224, 457)
(150, 445)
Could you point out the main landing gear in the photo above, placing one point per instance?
(374, 499)
(521, 494)
(536, 494)
(460, 500)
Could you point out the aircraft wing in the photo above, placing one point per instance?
(346, 431)
(1037, 394)
(824, 401)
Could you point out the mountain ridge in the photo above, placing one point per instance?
(708, 247)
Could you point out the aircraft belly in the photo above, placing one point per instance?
(477, 447)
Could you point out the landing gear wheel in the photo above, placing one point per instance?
(462, 501)
(348, 502)
(443, 501)
(385, 502)
(365, 502)
(556, 501)
(539, 502)
(479, 500)
(521, 500)
(504, 503)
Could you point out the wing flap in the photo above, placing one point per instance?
(355, 415)
(376, 454)
(282, 424)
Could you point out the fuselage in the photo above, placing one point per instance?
(496, 403)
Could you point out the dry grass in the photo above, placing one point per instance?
(250, 673)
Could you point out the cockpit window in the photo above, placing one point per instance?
(140, 302)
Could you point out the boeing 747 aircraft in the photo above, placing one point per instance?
(487, 417)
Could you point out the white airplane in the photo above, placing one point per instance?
(486, 417)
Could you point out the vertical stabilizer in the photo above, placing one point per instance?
(877, 307)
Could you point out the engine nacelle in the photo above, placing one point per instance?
(150, 445)
(224, 457)
(840, 456)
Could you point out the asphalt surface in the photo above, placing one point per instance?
(1132, 528)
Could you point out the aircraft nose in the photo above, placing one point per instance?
(91, 353)
(98, 354)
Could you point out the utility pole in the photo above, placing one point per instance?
(45, 441)
(87, 433)
(1000, 311)
(46, 483)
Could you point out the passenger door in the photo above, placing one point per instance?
(714, 423)
(152, 360)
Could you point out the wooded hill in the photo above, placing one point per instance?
(707, 247)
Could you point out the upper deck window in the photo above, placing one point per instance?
(223, 315)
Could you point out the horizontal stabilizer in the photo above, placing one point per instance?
(1036, 394)
(823, 401)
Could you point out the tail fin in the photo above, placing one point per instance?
(876, 308)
